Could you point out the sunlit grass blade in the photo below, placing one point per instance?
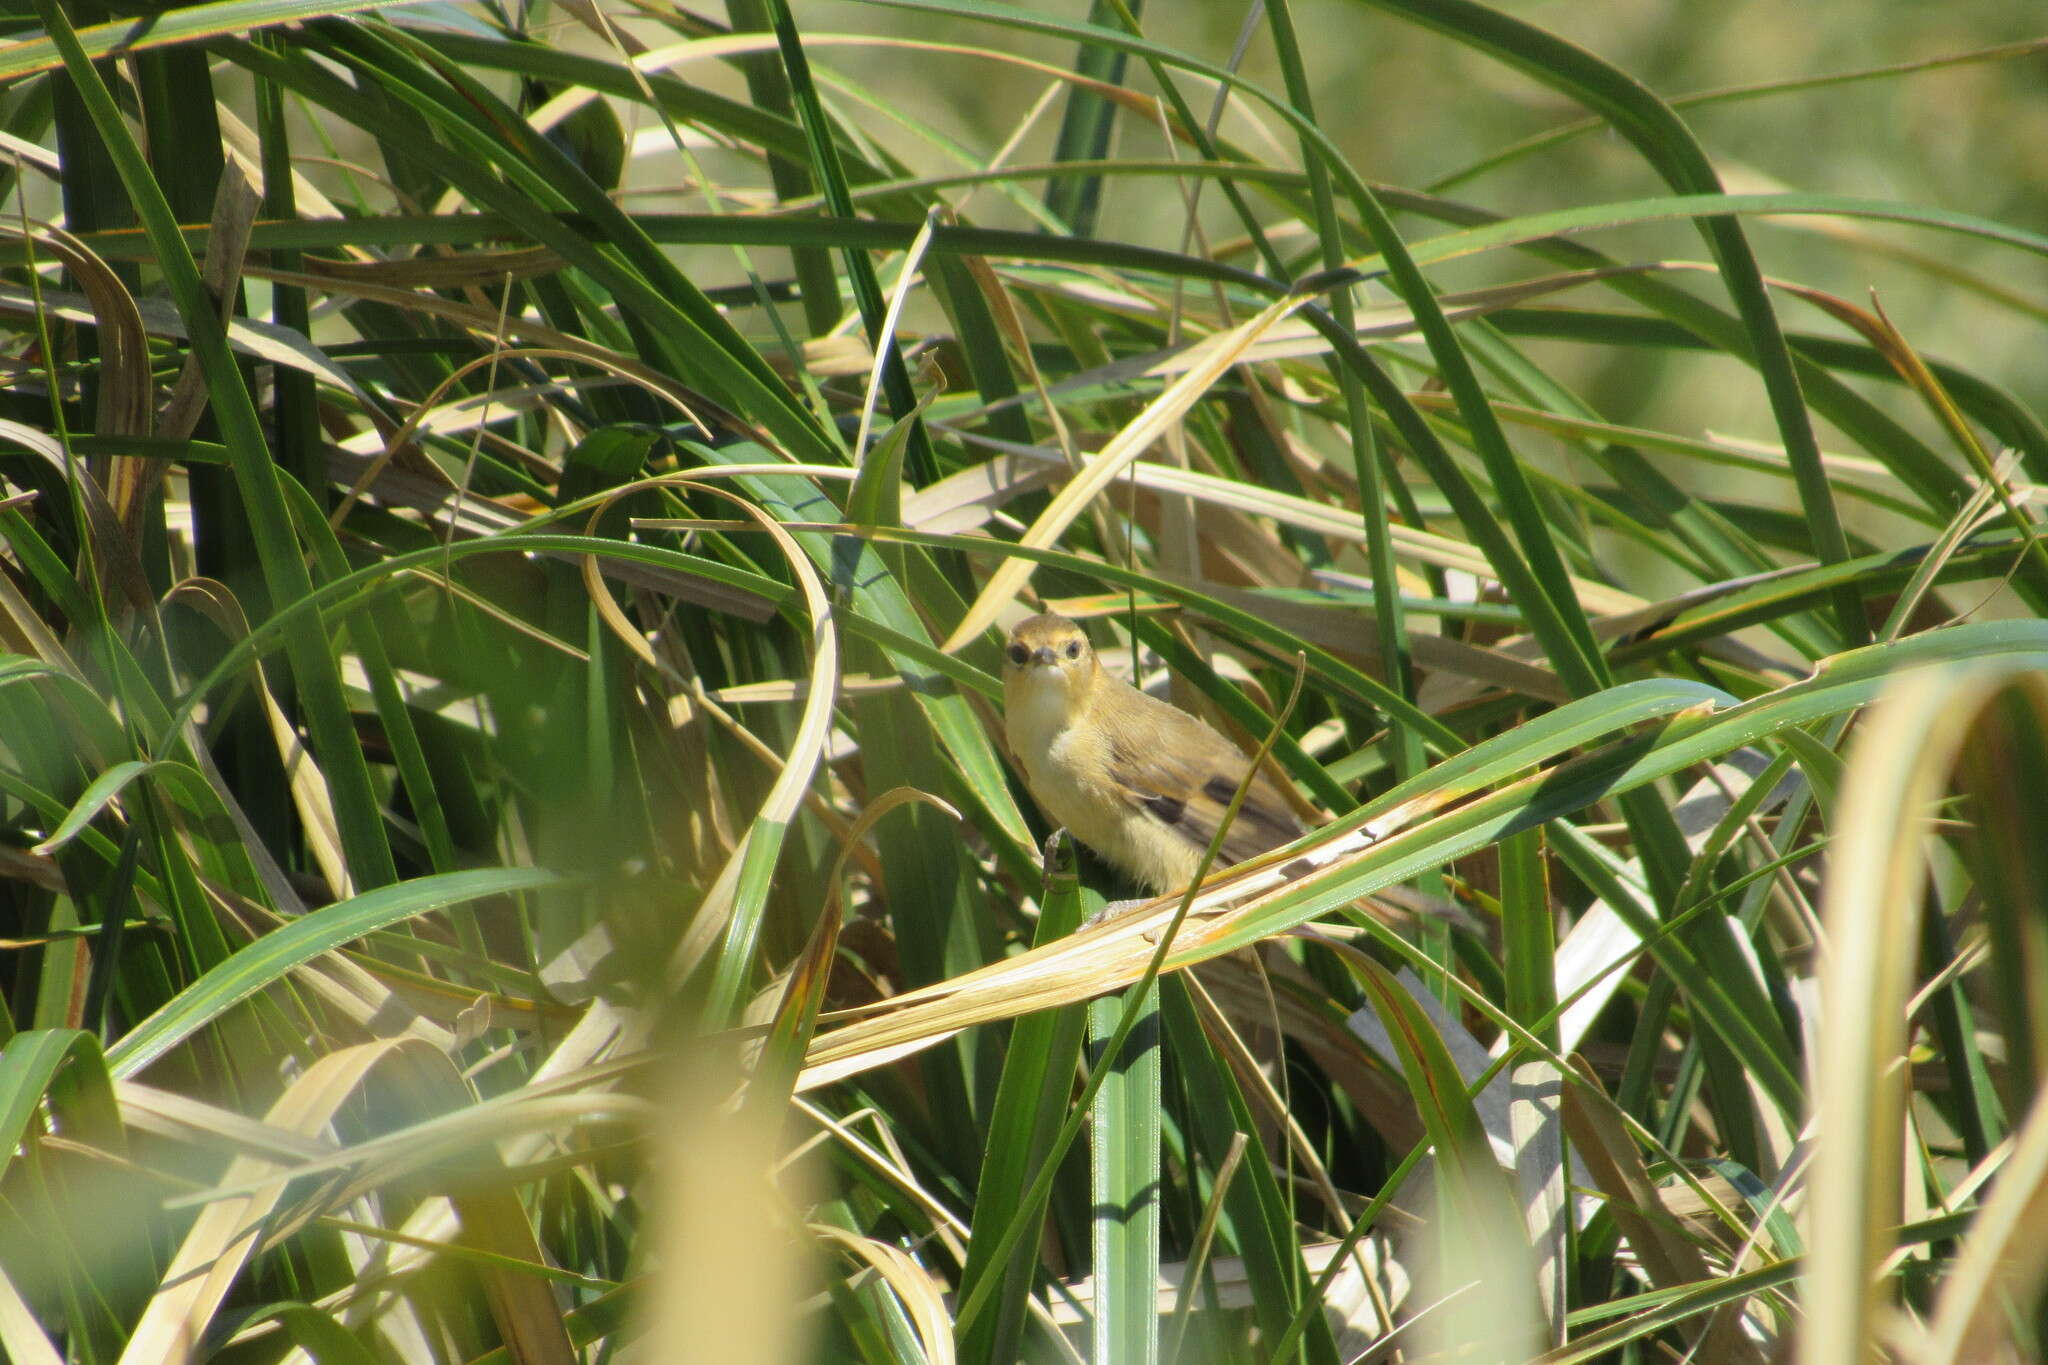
(1124, 1184)
(269, 958)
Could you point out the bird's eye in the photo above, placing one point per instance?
(1073, 649)
(1019, 655)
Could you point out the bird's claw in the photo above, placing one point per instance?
(1110, 912)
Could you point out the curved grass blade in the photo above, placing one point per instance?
(271, 957)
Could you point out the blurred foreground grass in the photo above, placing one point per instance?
(508, 519)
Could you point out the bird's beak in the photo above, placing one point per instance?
(1044, 657)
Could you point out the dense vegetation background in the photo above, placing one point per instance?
(508, 518)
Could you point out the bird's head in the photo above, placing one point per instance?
(1049, 652)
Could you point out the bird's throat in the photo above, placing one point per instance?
(1036, 710)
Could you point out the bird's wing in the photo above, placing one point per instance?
(1188, 787)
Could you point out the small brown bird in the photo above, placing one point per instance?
(1142, 783)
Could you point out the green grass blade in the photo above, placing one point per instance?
(1124, 1185)
(320, 931)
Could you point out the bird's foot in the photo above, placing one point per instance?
(1111, 911)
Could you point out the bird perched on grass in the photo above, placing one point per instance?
(1141, 782)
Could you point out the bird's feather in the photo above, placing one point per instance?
(1188, 787)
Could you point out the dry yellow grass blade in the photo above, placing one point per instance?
(226, 1233)
(913, 1286)
(236, 203)
(2004, 1260)
(350, 990)
(310, 794)
(1898, 769)
(1096, 960)
(21, 1336)
(1103, 468)
(1600, 1136)
(1344, 630)
(965, 500)
(807, 748)
(167, 1114)
(522, 1303)
(1101, 958)
(578, 1062)
(1396, 321)
(389, 444)
(546, 1113)
(683, 708)
(885, 345)
(126, 405)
